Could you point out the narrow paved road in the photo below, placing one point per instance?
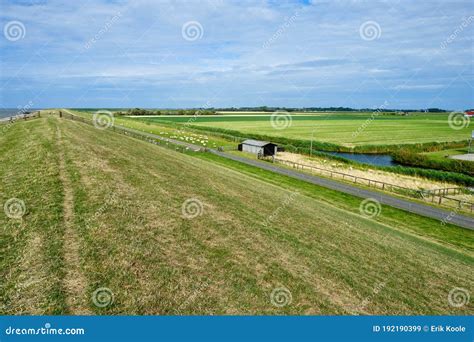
(413, 207)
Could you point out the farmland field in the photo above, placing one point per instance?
(106, 211)
(348, 129)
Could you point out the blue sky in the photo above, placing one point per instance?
(215, 53)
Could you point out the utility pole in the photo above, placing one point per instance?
(311, 148)
(470, 142)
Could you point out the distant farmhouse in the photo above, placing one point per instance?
(469, 113)
(261, 148)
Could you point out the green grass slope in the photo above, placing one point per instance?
(105, 211)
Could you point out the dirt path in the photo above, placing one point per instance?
(468, 157)
(74, 282)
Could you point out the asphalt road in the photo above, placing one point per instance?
(413, 207)
(421, 209)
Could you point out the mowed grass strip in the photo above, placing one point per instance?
(31, 263)
(250, 238)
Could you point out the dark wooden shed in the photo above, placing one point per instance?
(263, 148)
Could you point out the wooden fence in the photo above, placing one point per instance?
(446, 191)
(19, 117)
(452, 202)
(437, 196)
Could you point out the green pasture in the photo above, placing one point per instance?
(353, 129)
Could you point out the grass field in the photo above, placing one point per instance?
(444, 154)
(341, 129)
(104, 211)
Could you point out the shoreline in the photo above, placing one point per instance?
(19, 116)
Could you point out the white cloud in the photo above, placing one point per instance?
(318, 51)
(418, 86)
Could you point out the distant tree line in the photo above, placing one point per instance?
(211, 111)
(141, 111)
(323, 109)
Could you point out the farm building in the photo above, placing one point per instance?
(469, 113)
(263, 148)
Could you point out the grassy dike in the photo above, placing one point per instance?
(31, 247)
(132, 238)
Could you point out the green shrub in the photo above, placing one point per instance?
(420, 160)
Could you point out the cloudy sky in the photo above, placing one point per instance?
(167, 54)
